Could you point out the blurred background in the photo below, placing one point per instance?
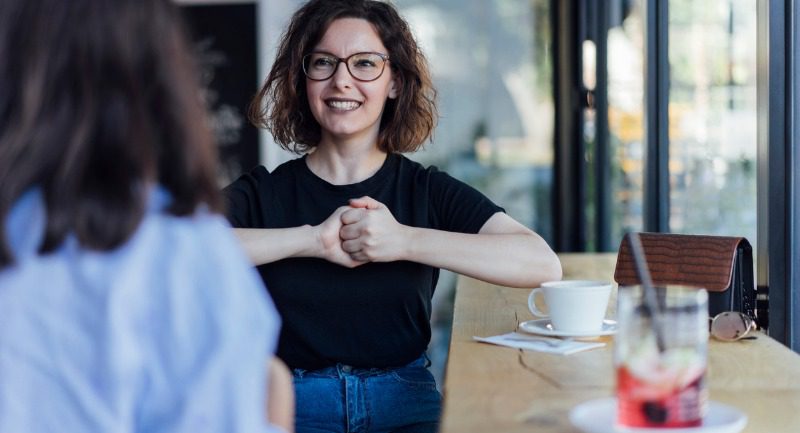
(584, 119)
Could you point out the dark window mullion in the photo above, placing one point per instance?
(781, 209)
(656, 172)
(602, 145)
(569, 221)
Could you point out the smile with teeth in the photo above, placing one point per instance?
(342, 105)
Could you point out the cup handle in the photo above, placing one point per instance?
(532, 303)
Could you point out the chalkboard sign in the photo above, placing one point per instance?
(224, 43)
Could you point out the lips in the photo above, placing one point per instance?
(342, 104)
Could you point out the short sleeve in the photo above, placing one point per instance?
(244, 198)
(457, 206)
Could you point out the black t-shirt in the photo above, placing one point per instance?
(374, 315)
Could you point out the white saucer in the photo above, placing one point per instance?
(543, 327)
(599, 416)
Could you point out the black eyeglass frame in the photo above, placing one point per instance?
(339, 60)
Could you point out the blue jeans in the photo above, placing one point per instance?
(347, 399)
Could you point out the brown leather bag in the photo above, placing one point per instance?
(721, 265)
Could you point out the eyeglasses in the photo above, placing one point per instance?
(731, 326)
(320, 66)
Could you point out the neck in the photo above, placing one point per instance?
(344, 165)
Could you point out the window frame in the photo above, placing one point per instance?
(778, 159)
(778, 254)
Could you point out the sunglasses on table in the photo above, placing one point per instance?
(732, 326)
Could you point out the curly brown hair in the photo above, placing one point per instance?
(281, 105)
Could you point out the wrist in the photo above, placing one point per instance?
(409, 237)
(313, 245)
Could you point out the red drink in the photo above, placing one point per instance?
(662, 383)
(642, 404)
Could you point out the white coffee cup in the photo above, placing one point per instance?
(575, 306)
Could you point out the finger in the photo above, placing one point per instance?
(339, 211)
(351, 247)
(366, 202)
(349, 232)
(353, 262)
(351, 215)
(342, 209)
(357, 203)
(359, 257)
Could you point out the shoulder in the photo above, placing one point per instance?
(203, 238)
(205, 284)
(250, 180)
(289, 167)
(200, 274)
(408, 166)
(195, 254)
(255, 194)
(405, 163)
(179, 290)
(259, 177)
(430, 175)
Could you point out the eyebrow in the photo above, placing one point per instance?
(322, 51)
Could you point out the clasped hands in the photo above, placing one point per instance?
(363, 231)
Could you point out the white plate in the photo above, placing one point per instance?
(599, 416)
(543, 327)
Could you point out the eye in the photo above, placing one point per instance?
(367, 61)
(322, 62)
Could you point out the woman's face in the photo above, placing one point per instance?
(347, 108)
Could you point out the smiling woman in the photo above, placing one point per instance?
(348, 107)
(281, 105)
(351, 236)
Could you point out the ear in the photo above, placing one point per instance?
(394, 87)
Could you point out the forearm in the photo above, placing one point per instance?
(508, 259)
(280, 395)
(269, 245)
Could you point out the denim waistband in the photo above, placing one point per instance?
(340, 370)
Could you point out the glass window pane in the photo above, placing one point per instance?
(492, 65)
(625, 119)
(712, 115)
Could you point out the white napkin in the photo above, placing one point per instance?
(539, 344)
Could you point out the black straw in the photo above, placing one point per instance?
(650, 299)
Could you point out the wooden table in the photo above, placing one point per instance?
(491, 389)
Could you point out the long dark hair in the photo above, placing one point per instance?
(98, 100)
(282, 107)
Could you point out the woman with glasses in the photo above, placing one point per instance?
(126, 305)
(350, 237)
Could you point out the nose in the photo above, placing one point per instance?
(341, 76)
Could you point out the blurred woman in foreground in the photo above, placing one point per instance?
(125, 302)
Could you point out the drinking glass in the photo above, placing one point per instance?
(661, 362)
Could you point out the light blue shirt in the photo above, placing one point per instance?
(171, 332)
